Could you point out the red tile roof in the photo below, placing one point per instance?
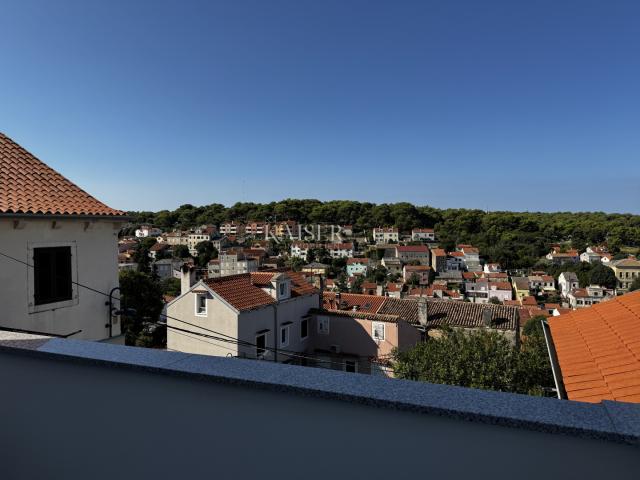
(598, 350)
(244, 291)
(28, 186)
(413, 248)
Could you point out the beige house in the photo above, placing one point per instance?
(266, 315)
(626, 270)
(59, 251)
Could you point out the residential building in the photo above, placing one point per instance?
(423, 235)
(234, 263)
(159, 249)
(301, 249)
(316, 268)
(455, 262)
(213, 268)
(231, 228)
(196, 237)
(357, 266)
(521, 287)
(219, 243)
(383, 235)
(177, 238)
(255, 228)
(340, 250)
(164, 268)
(557, 257)
(392, 264)
(482, 291)
(591, 295)
(147, 231)
(421, 272)
(413, 253)
(492, 268)
(56, 239)
(350, 333)
(626, 270)
(542, 283)
(269, 313)
(594, 351)
(287, 228)
(471, 259)
(567, 281)
(439, 260)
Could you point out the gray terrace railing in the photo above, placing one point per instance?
(78, 409)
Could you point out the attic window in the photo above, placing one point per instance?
(201, 304)
(377, 331)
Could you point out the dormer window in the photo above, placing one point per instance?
(283, 289)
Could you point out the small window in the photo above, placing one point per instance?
(304, 329)
(377, 331)
(261, 345)
(284, 336)
(323, 326)
(283, 287)
(52, 275)
(201, 304)
(351, 366)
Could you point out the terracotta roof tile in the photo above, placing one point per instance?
(244, 291)
(28, 186)
(598, 350)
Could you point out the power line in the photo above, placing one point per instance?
(219, 336)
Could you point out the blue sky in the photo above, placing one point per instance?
(497, 105)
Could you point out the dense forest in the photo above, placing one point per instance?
(515, 239)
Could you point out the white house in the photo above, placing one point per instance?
(423, 234)
(264, 311)
(357, 266)
(340, 250)
(59, 251)
(147, 231)
(591, 295)
(386, 235)
(567, 281)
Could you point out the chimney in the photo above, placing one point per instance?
(187, 278)
(487, 317)
(423, 311)
(321, 288)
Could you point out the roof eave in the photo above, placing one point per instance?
(117, 218)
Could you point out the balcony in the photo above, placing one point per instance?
(76, 409)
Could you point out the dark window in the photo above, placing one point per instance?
(52, 274)
(350, 366)
(304, 328)
(261, 343)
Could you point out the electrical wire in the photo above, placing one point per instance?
(219, 336)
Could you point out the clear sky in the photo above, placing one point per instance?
(501, 105)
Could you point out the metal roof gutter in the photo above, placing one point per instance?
(553, 359)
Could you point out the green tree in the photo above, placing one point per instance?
(478, 359)
(170, 286)
(181, 251)
(206, 251)
(602, 275)
(140, 293)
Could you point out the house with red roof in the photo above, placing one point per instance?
(56, 241)
(267, 314)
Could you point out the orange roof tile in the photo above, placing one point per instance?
(28, 186)
(598, 350)
(244, 291)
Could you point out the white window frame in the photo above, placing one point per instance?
(75, 297)
(324, 321)
(286, 342)
(373, 331)
(197, 306)
(307, 336)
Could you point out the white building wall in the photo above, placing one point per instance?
(95, 263)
